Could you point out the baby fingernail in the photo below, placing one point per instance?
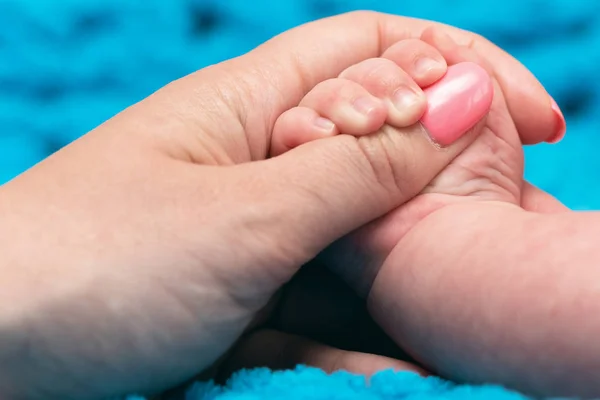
(404, 98)
(561, 125)
(366, 105)
(324, 124)
(425, 65)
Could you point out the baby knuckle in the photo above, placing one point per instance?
(392, 163)
(325, 92)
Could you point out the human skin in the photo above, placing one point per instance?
(114, 246)
(388, 90)
(472, 281)
(483, 286)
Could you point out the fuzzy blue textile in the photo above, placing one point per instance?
(310, 383)
(68, 65)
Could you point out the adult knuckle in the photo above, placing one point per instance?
(474, 41)
(326, 92)
(384, 74)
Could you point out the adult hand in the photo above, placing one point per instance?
(136, 256)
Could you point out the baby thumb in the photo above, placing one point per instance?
(323, 190)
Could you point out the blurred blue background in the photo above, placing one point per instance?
(68, 65)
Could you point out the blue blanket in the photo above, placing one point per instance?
(310, 383)
(68, 65)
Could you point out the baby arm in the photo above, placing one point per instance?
(491, 290)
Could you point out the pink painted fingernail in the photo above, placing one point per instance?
(457, 102)
(561, 125)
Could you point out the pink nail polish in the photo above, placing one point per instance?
(561, 125)
(457, 102)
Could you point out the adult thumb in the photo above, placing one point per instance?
(323, 190)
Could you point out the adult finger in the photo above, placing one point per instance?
(275, 76)
(522, 91)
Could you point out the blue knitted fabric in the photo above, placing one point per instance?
(68, 65)
(310, 383)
